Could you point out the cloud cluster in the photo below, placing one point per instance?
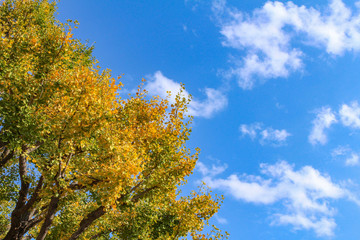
(305, 195)
(267, 36)
(215, 100)
(266, 135)
(348, 116)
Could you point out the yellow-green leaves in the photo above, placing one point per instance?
(85, 163)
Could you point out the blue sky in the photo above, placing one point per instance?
(276, 100)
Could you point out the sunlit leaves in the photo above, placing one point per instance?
(67, 138)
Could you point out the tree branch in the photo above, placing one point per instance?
(48, 218)
(21, 220)
(6, 156)
(33, 222)
(35, 195)
(24, 183)
(29, 150)
(62, 174)
(86, 222)
(138, 196)
(77, 186)
(3, 144)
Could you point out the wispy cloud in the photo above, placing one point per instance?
(220, 220)
(325, 117)
(250, 130)
(266, 135)
(266, 36)
(305, 195)
(212, 171)
(351, 158)
(274, 136)
(214, 102)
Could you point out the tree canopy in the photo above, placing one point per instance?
(76, 160)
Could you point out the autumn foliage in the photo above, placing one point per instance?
(76, 160)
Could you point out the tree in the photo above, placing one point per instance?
(76, 160)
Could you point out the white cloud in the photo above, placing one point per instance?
(350, 115)
(256, 192)
(351, 158)
(322, 227)
(340, 151)
(220, 220)
(266, 135)
(250, 129)
(267, 34)
(275, 136)
(305, 195)
(213, 171)
(325, 117)
(215, 100)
